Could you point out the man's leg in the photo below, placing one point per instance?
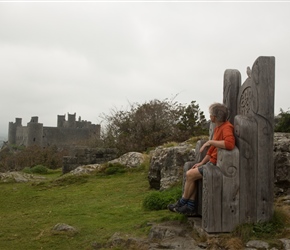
(187, 166)
(189, 194)
(192, 176)
(187, 202)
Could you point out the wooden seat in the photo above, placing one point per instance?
(239, 188)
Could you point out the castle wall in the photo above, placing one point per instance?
(64, 136)
(67, 133)
(20, 136)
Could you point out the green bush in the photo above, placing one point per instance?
(158, 200)
(115, 168)
(151, 124)
(283, 124)
(38, 169)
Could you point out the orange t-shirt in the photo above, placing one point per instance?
(224, 132)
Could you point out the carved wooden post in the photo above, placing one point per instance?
(232, 83)
(245, 131)
(254, 128)
(263, 74)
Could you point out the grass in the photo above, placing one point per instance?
(97, 206)
(100, 205)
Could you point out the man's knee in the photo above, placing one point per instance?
(193, 174)
(187, 165)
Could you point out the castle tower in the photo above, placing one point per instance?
(12, 130)
(34, 132)
(60, 121)
(71, 119)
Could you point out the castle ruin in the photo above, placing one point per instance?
(67, 133)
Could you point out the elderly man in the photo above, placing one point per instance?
(223, 137)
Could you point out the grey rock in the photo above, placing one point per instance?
(282, 163)
(166, 165)
(86, 169)
(286, 243)
(19, 177)
(171, 235)
(257, 244)
(62, 227)
(131, 159)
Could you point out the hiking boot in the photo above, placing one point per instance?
(186, 210)
(173, 207)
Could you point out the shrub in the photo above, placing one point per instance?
(18, 158)
(151, 124)
(38, 169)
(283, 124)
(158, 200)
(115, 168)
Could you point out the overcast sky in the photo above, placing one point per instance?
(91, 57)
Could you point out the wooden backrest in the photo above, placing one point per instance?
(252, 113)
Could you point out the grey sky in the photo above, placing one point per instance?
(91, 57)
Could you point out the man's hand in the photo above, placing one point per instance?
(197, 165)
(206, 144)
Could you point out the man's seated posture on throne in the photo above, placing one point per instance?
(223, 137)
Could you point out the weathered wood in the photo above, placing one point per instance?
(211, 200)
(264, 84)
(228, 162)
(245, 129)
(256, 106)
(232, 83)
(220, 211)
(240, 188)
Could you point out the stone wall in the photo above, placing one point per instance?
(83, 156)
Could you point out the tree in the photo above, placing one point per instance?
(283, 124)
(192, 121)
(151, 124)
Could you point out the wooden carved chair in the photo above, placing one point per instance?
(240, 188)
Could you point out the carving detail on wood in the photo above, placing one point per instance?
(245, 101)
(229, 171)
(227, 168)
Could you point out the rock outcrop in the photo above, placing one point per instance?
(166, 165)
(282, 164)
(19, 177)
(130, 160)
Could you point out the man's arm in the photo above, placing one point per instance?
(217, 144)
(204, 160)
